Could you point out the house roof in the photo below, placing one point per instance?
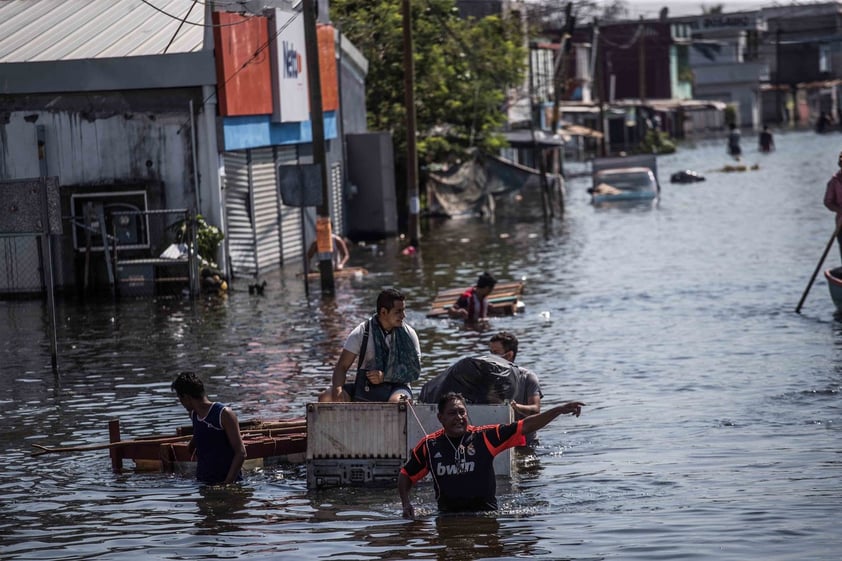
(60, 30)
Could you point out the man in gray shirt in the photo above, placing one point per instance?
(528, 400)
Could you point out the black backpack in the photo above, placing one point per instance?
(483, 379)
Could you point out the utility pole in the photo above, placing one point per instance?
(598, 78)
(413, 226)
(324, 236)
(560, 66)
(641, 61)
(780, 113)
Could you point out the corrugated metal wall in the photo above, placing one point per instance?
(238, 215)
(263, 234)
(266, 228)
(291, 229)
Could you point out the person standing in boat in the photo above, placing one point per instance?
(217, 441)
(734, 142)
(387, 353)
(472, 305)
(528, 400)
(833, 200)
(460, 457)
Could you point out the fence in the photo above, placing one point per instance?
(30, 217)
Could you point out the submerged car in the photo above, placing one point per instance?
(628, 182)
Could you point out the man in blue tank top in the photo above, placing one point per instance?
(217, 442)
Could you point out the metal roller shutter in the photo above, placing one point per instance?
(291, 229)
(238, 205)
(267, 231)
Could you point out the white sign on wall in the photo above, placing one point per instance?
(290, 99)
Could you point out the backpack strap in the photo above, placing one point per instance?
(364, 345)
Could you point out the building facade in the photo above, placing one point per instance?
(155, 109)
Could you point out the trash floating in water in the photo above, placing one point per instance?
(686, 176)
(740, 167)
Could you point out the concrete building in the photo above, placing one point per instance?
(726, 63)
(777, 64)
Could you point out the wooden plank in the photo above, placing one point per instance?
(503, 300)
(341, 273)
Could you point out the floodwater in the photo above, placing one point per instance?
(712, 429)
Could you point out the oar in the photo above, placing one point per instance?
(277, 428)
(818, 266)
(263, 426)
(45, 450)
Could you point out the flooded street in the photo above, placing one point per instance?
(714, 411)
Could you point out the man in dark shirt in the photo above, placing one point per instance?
(460, 456)
(217, 441)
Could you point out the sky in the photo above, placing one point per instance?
(651, 8)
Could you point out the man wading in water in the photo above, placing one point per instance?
(460, 456)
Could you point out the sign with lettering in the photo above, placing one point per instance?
(290, 93)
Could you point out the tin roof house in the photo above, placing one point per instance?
(169, 104)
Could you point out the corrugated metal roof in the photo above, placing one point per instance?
(51, 30)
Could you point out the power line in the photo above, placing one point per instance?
(180, 25)
(251, 59)
(193, 23)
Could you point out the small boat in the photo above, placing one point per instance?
(686, 176)
(834, 284)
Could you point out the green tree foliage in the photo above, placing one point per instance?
(463, 71)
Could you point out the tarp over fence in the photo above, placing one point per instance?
(472, 187)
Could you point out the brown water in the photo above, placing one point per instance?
(712, 426)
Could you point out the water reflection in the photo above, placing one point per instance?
(469, 537)
(222, 509)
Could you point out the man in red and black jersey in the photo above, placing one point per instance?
(460, 456)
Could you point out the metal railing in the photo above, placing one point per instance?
(151, 275)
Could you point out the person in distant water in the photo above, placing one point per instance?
(472, 305)
(833, 200)
(734, 142)
(823, 123)
(766, 142)
(528, 400)
(216, 441)
(387, 353)
(339, 254)
(460, 457)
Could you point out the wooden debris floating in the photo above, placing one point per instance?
(267, 443)
(504, 300)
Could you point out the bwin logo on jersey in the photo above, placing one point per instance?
(453, 469)
(292, 61)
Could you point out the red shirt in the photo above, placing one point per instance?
(833, 196)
